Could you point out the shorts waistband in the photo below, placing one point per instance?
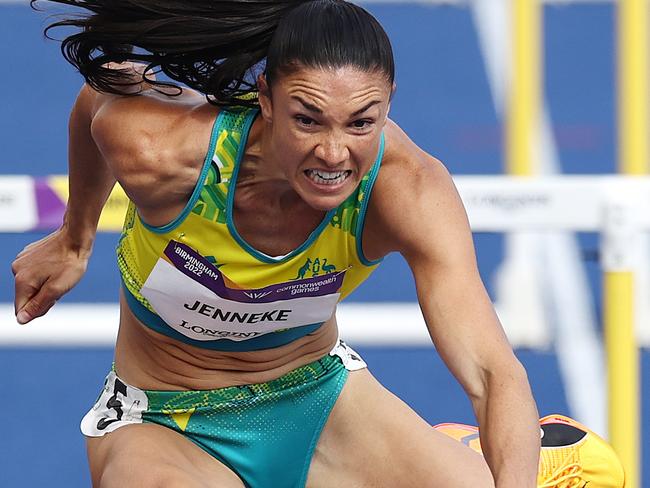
(304, 374)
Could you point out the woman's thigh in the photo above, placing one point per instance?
(149, 455)
(373, 439)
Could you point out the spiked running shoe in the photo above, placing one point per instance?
(572, 456)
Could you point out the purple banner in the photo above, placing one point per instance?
(195, 266)
(50, 207)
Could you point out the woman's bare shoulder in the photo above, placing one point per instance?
(150, 139)
(124, 119)
(151, 128)
(411, 186)
(405, 162)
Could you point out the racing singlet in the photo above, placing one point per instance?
(197, 280)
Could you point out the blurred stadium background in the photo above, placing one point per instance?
(452, 78)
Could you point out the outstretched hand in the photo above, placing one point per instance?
(45, 271)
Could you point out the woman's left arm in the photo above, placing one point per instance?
(422, 217)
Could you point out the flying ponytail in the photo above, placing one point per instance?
(218, 46)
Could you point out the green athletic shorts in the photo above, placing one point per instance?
(266, 433)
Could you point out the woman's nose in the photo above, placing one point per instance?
(332, 151)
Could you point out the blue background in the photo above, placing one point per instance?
(443, 102)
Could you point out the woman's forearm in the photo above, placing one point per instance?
(509, 426)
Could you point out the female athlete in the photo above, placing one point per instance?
(262, 193)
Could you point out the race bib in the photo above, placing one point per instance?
(189, 293)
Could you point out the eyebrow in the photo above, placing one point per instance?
(365, 107)
(313, 108)
(308, 105)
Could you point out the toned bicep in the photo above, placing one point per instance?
(427, 224)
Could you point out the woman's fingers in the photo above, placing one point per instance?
(35, 301)
(44, 271)
(26, 286)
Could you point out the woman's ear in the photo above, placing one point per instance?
(264, 97)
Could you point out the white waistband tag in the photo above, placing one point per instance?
(351, 359)
(119, 404)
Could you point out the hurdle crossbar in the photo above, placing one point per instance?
(615, 206)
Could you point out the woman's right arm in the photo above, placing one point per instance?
(47, 269)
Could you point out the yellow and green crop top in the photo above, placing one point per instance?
(197, 280)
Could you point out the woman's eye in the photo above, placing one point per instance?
(361, 124)
(305, 120)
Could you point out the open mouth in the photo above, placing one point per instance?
(321, 177)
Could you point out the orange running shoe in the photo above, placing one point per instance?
(572, 456)
(467, 434)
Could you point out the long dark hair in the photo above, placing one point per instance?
(219, 46)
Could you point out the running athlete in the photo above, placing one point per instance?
(262, 193)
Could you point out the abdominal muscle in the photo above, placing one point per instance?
(149, 360)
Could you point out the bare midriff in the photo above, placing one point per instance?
(149, 360)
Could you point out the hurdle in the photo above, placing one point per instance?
(615, 206)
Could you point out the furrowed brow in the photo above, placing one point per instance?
(365, 107)
(313, 108)
(307, 105)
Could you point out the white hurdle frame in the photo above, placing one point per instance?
(615, 206)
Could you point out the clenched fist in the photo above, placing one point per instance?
(45, 271)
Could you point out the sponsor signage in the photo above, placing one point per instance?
(18, 211)
(576, 203)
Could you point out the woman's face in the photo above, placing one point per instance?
(325, 127)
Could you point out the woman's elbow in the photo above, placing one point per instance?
(503, 374)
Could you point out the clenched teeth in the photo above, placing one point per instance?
(327, 177)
